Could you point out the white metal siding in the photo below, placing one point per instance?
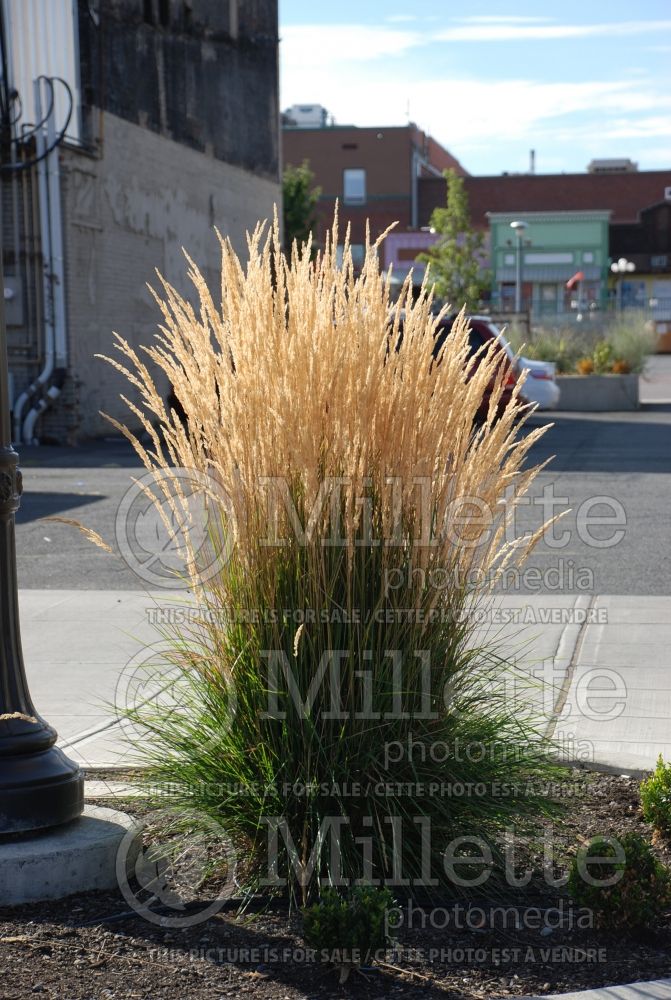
(43, 39)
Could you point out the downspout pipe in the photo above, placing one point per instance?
(58, 355)
(47, 275)
(45, 401)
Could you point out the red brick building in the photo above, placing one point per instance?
(625, 195)
(639, 225)
(374, 173)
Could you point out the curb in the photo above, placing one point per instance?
(656, 989)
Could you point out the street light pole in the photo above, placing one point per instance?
(620, 268)
(39, 786)
(519, 228)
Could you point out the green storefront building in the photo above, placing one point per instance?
(554, 248)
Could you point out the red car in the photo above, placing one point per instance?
(481, 332)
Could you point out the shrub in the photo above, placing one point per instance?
(351, 930)
(602, 357)
(656, 798)
(339, 632)
(620, 367)
(633, 892)
(558, 346)
(633, 338)
(585, 366)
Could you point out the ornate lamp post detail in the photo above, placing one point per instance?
(620, 268)
(39, 786)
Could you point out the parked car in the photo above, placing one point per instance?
(540, 385)
(481, 332)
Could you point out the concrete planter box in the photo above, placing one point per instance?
(598, 392)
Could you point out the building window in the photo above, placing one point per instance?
(548, 298)
(548, 257)
(588, 257)
(358, 253)
(354, 186)
(357, 250)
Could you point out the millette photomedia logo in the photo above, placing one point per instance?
(174, 524)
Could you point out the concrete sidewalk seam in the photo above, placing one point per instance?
(570, 670)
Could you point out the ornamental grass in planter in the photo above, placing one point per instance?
(335, 649)
(603, 344)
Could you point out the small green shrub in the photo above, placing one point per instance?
(562, 350)
(633, 338)
(656, 798)
(351, 930)
(629, 893)
(602, 357)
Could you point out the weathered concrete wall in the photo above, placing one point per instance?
(202, 72)
(125, 215)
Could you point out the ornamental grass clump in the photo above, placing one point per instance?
(336, 714)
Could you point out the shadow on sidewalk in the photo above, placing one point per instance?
(636, 442)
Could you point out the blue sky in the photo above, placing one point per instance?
(492, 80)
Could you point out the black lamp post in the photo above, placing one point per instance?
(39, 786)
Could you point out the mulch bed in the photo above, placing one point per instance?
(81, 948)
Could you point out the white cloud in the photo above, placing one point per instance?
(399, 18)
(646, 128)
(661, 156)
(359, 73)
(501, 19)
(498, 30)
(462, 112)
(310, 46)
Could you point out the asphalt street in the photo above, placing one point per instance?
(613, 466)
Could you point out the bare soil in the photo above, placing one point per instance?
(91, 946)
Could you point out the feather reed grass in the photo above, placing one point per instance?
(354, 479)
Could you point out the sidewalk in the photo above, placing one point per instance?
(660, 989)
(601, 668)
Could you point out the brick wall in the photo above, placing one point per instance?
(125, 215)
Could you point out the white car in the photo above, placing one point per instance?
(540, 385)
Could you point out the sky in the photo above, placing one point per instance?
(491, 80)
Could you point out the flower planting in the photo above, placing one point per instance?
(616, 346)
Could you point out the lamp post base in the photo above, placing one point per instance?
(98, 851)
(39, 786)
(39, 790)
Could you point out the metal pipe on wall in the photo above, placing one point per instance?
(45, 238)
(58, 354)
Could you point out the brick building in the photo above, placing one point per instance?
(174, 129)
(624, 194)
(374, 173)
(567, 233)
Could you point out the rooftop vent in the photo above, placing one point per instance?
(615, 166)
(306, 115)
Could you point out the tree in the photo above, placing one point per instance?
(455, 259)
(299, 199)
